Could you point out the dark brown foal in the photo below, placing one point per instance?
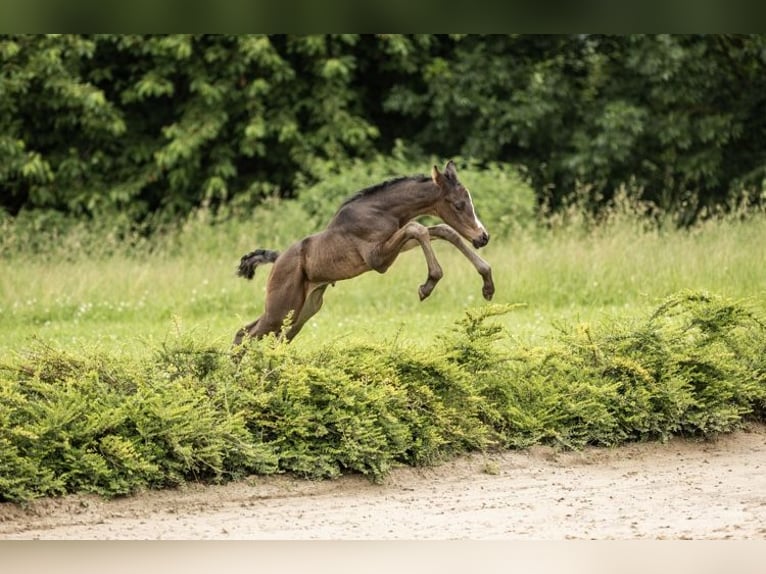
(367, 233)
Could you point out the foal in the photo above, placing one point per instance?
(368, 232)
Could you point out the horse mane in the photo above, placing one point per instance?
(378, 187)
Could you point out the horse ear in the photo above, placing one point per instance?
(450, 171)
(437, 177)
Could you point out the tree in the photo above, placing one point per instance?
(679, 117)
(172, 122)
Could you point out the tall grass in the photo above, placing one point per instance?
(121, 296)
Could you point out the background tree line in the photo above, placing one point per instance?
(141, 124)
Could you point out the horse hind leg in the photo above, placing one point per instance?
(243, 332)
(258, 329)
(286, 292)
(311, 307)
(246, 269)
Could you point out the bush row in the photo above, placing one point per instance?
(89, 422)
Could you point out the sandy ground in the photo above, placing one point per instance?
(679, 490)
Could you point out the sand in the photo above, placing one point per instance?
(683, 489)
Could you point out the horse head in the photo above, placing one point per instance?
(455, 206)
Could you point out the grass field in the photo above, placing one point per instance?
(132, 298)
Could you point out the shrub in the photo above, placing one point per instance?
(94, 423)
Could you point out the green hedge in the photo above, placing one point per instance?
(94, 423)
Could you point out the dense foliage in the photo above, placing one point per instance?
(139, 124)
(505, 203)
(95, 423)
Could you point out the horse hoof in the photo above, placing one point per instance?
(488, 291)
(422, 293)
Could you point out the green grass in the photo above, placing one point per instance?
(129, 300)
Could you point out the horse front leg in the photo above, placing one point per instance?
(444, 231)
(382, 257)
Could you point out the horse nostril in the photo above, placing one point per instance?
(482, 240)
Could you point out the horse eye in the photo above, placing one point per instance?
(460, 205)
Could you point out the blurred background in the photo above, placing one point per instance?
(149, 128)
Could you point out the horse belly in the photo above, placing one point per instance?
(328, 259)
(337, 267)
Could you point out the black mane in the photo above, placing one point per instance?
(378, 187)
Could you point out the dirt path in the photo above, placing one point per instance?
(683, 489)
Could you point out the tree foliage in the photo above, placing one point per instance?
(679, 117)
(90, 123)
(173, 122)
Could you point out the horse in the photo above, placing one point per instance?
(368, 232)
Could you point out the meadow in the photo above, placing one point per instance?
(132, 297)
(115, 371)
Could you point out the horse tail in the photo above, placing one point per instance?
(249, 261)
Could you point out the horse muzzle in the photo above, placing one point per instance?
(481, 241)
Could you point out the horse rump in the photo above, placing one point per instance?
(249, 261)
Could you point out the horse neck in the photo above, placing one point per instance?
(413, 199)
